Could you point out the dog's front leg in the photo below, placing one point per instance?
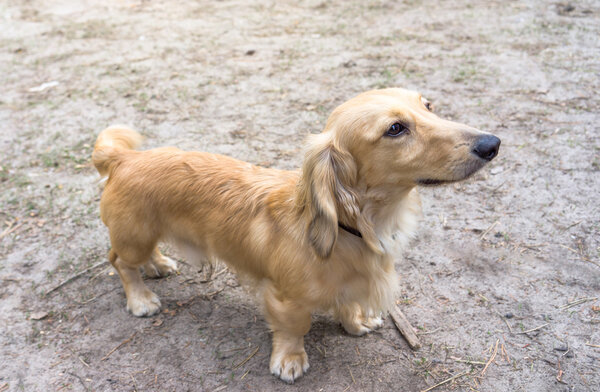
(290, 321)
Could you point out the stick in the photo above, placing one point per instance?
(533, 329)
(578, 302)
(72, 278)
(405, 328)
(491, 358)
(124, 342)
(445, 381)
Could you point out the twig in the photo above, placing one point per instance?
(508, 325)
(225, 269)
(488, 230)
(9, 230)
(124, 342)
(498, 187)
(351, 375)
(568, 248)
(571, 225)
(52, 365)
(505, 321)
(455, 359)
(134, 383)
(428, 332)
(73, 277)
(593, 345)
(492, 357)
(99, 273)
(80, 359)
(247, 359)
(505, 353)
(405, 328)
(321, 351)
(578, 302)
(79, 378)
(445, 381)
(580, 254)
(560, 373)
(533, 329)
(96, 297)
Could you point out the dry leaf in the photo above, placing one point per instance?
(38, 315)
(157, 323)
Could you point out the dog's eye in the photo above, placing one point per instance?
(396, 129)
(427, 104)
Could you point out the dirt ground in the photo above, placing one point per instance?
(502, 283)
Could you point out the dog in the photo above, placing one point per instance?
(324, 237)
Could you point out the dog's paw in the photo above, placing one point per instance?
(160, 268)
(144, 305)
(289, 367)
(373, 323)
(360, 325)
(356, 329)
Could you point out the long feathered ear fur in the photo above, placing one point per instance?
(327, 195)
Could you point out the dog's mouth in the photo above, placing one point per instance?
(431, 182)
(459, 172)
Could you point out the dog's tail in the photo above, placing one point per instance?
(110, 143)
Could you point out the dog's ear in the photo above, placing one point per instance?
(327, 194)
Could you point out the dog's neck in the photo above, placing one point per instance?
(391, 210)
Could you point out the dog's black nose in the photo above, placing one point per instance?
(486, 147)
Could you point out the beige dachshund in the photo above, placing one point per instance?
(324, 237)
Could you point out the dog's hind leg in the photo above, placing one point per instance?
(289, 321)
(357, 321)
(140, 300)
(159, 266)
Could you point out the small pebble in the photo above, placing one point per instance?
(509, 315)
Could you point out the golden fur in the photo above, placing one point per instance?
(281, 227)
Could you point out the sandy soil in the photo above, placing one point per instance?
(514, 249)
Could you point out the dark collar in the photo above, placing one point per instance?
(350, 229)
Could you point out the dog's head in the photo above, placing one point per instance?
(383, 139)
